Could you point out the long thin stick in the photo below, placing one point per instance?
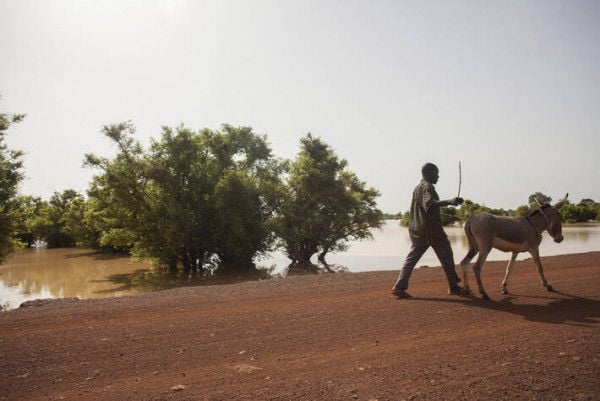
(459, 178)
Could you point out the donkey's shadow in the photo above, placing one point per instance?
(568, 309)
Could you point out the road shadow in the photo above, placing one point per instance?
(568, 309)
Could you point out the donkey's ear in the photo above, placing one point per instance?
(562, 202)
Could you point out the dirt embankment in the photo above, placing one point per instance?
(330, 337)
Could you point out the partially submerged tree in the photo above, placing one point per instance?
(48, 221)
(193, 198)
(583, 212)
(324, 206)
(29, 208)
(10, 177)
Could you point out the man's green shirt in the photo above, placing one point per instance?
(425, 221)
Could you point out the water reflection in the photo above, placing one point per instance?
(59, 273)
(63, 273)
(391, 245)
(149, 280)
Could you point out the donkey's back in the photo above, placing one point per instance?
(485, 231)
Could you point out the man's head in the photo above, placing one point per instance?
(430, 173)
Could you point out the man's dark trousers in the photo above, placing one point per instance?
(442, 249)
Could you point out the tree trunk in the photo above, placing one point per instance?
(172, 265)
(187, 264)
(300, 254)
(321, 257)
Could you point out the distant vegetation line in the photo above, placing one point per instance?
(208, 200)
(587, 210)
(199, 201)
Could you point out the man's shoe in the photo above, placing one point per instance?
(458, 290)
(401, 294)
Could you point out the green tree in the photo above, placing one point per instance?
(191, 199)
(10, 177)
(540, 197)
(392, 216)
(580, 213)
(405, 219)
(593, 209)
(469, 208)
(523, 210)
(29, 209)
(107, 218)
(449, 215)
(245, 195)
(324, 205)
(49, 221)
(81, 223)
(121, 199)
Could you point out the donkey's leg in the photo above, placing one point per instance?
(509, 269)
(464, 265)
(538, 264)
(483, 253)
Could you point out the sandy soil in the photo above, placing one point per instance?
(329, 337)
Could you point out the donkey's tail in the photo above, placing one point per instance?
(473, 249)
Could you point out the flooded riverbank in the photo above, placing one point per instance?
(64, 273)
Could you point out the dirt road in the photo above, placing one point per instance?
(328, 337)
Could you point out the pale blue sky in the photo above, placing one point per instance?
(510, 88)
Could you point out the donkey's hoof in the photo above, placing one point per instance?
(485, 297)
(550, 289)
(504, 291)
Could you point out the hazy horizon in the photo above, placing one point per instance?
(511, 89)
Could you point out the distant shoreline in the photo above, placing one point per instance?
(589, 224)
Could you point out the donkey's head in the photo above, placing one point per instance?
(553, 216)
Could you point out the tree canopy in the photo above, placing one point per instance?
(324, 205)
(538, 197)
(585, 211)
(10, 176)
(191, 199)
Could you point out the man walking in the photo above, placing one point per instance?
(426, 230)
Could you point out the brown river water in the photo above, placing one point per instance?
(64, 273)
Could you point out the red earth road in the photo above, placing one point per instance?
(330, 337)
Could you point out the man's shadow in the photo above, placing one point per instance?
(569, 309)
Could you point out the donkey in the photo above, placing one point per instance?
(522, 234)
